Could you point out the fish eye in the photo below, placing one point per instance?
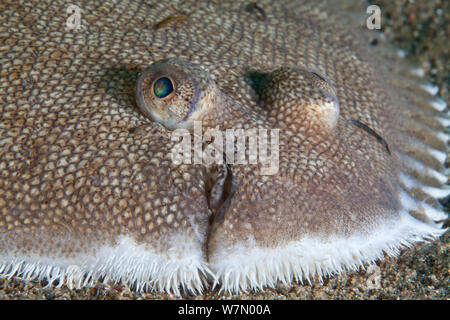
(163, 87)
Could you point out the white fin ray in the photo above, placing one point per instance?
(440, 156)
(418, 72)
(430, 88)
(445, 122)
(419, 150)
(422, 99)
(240, 268)
(412, 183)
(127, 262)
(420, 169)
(409, 83)
(421, 131)
(438, 104)
(431, 214)
(401, 53)
(433, 119)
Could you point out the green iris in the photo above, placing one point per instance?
(163, 87)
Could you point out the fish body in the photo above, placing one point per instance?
(88, 188)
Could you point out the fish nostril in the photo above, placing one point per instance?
(258, 80)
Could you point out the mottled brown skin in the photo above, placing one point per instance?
(330, 185)
(79, 160)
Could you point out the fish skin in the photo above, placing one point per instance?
(69, 112)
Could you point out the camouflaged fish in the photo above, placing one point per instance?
(88, 108)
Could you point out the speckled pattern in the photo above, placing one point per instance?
(419, 273)
(422, 29)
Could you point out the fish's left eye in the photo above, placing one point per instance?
(162, 87)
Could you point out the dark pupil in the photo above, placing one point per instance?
(162, 87)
